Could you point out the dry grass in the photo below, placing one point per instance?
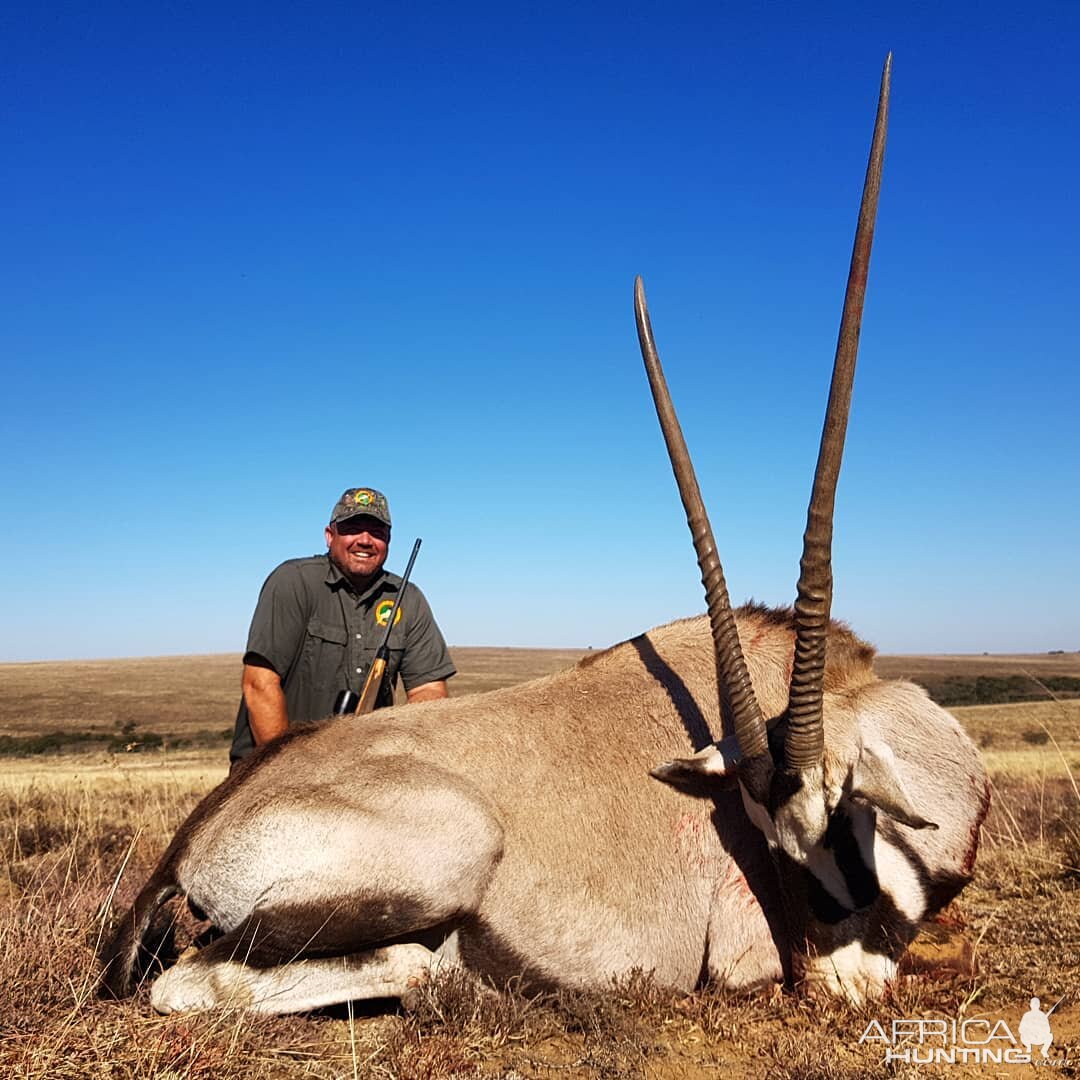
(64, 846)
(925, 669)
(184, 697)
(69, 825)
(1032, 739)
(194, 698)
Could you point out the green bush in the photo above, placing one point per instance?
(998, 689)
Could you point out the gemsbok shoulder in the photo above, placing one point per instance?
(518, 833)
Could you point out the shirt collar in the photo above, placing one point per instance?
(335, 579)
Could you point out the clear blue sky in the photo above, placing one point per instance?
(257, 253)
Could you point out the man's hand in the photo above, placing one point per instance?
(430, 691)
(265, 700)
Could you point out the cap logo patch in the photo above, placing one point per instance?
(382, 612)
(363, 498)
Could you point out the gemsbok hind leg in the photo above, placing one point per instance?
(380, 885)
(295, 987)
(247, 968)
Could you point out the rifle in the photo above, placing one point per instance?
(378, 667)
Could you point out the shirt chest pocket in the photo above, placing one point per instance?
(323, 659)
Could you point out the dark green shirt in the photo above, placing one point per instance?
(320, 636)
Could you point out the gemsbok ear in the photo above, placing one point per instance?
(713, 769)
(876, 781)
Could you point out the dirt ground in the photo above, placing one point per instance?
(183, 696)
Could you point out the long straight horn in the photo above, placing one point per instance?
(806, 740)
(732, 676)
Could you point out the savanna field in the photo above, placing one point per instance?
(100, 762)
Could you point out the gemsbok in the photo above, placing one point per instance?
(518, 832)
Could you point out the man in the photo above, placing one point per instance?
(320, 621)
(1035, 1029)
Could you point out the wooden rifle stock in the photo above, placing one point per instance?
(378, 668)
(372, 683)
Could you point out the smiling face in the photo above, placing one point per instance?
(358, 546)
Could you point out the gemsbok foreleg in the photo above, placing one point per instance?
(234, 972)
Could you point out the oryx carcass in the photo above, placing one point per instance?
(517, 832)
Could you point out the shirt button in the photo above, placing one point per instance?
(359, 636)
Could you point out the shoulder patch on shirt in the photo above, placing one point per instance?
(382, 612)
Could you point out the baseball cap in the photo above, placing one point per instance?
(357, 501)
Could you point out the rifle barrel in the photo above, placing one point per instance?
(378, 667)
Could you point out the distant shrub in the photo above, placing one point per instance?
(1036, 736)
(67, 742)
(53, 742)
(953, 690)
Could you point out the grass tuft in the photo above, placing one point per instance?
(63, 847)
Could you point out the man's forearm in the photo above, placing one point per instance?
(431, 691)
(267, 712)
